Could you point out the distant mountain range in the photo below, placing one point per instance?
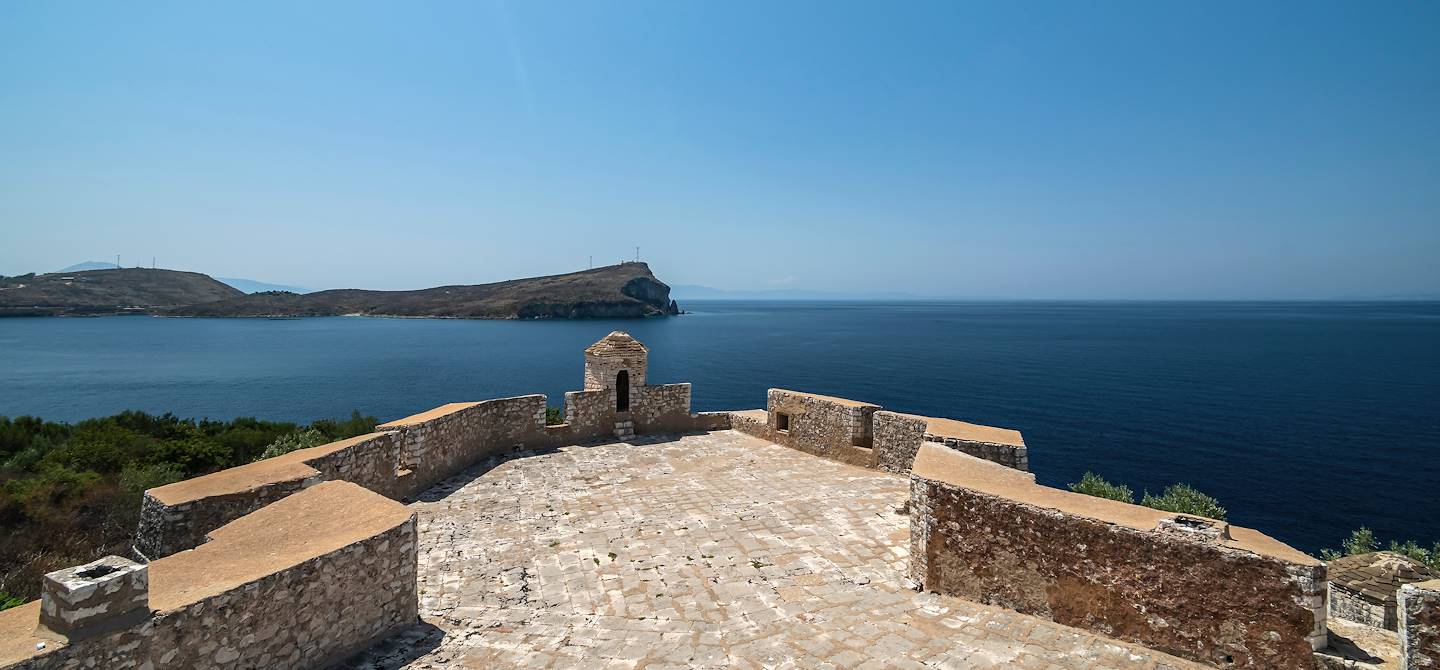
(617, 291)
(694, 292)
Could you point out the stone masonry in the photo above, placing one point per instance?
(302, 583)
(1193, 587)
(1420, 625)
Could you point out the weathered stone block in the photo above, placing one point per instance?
(97, 597)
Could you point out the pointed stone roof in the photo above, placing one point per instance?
(617, 344)
(1377, 575)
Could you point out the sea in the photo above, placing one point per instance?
(1306, 420)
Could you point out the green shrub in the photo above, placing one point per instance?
(1361, 541)
(194, 455)
(554, 416)
(357, 424)
(1185, 499)
(7, 601)
(137, 479)
(1092, 484)
(300, 439)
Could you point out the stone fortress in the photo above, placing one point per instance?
(817, 532)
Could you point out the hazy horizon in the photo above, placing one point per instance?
(1036, 151)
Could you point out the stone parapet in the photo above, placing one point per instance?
(1192, 587)
(897, 438)
(1419, 611)
(834, 428)
(860, 433)
(302, 583)
(177, 516)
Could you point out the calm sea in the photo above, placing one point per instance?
(1305, 419)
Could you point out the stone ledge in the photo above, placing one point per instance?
(939, 464)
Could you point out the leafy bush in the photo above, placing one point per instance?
(137, 479)
(554, 416)
(1185, 499)
(300, 439)
(1092, 484)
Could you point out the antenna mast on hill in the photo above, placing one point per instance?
(152, 262)
(637, 254)
(117, 261)
(592, 262)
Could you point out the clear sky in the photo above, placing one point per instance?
(1007, 150)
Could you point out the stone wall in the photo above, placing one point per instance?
(172, 519)
(1007, 455)
(834, 428)
(447, 440)
(176, 517)
(302, 583)
(1195, 588)
(1420, 625)
(862, 434)
(704, 421)
(897, 438)
(589, 413)
(367, 460)
(1351, 606)
(661, 409)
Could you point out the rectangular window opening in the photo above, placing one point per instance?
(782, 422)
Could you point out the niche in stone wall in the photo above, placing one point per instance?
(782, 422)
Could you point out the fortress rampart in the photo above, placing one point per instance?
(297, 561)
(1189, 586)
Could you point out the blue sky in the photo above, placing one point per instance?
(1006, 150)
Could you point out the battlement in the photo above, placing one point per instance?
(327, 530)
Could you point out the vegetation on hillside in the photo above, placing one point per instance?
(1363, 541)
(71, 493)
(1178, 498)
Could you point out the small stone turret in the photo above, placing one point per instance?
(615, 353)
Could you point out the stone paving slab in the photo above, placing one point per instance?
(701, 551)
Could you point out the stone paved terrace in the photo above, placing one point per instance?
(715, 550)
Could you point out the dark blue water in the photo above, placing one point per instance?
(1306, 420)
